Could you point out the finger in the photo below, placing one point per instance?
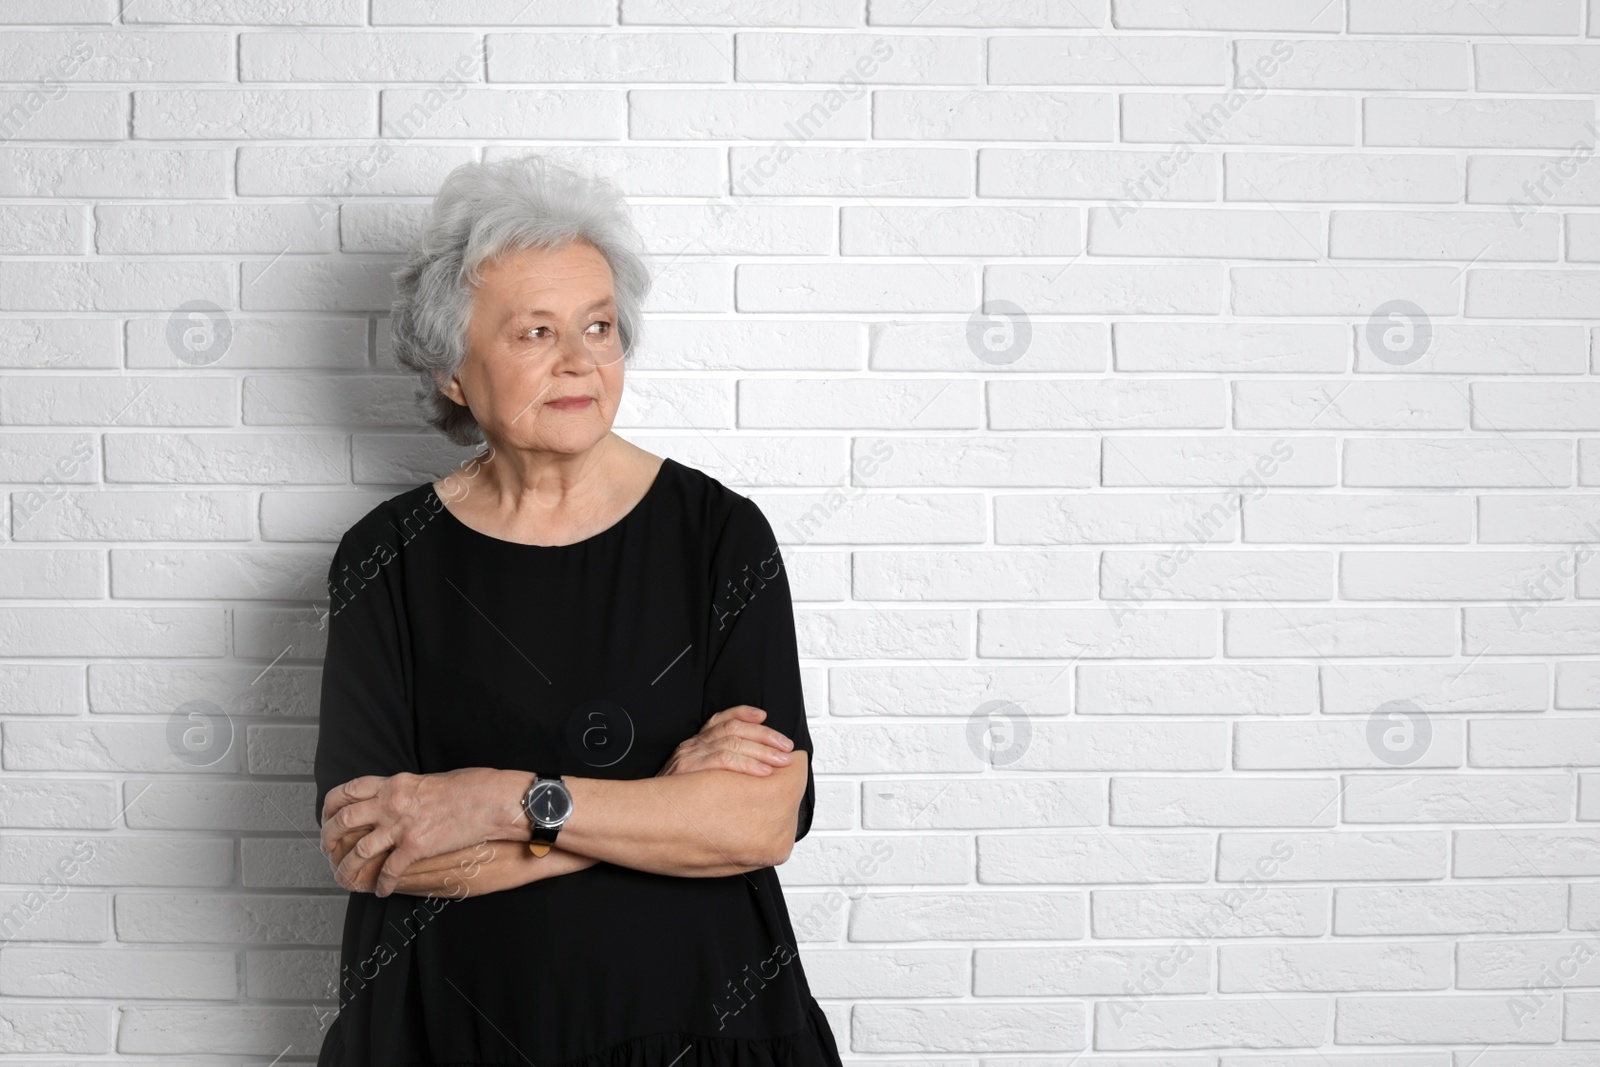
(346, 866)
(736, 761)
(341, 846)
(347, 870)
(747, 712)
(748, 737)
(366, 877)
(355, 789)
(338, 856)
(755, 748)
(394, 868)
(336, 839)
(348, 792)
(754, 761)
(764, 735)
(373, 843)
(361, 815)
(759, 750)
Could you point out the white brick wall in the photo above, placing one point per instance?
(1283, 614)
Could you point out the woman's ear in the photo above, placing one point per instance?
(452, 389)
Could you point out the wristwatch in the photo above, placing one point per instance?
(548, 805)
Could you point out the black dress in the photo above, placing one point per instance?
(450, 648)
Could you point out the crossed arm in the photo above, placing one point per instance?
(726, 802)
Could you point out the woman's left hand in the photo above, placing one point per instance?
(364, 880)
(414, 817)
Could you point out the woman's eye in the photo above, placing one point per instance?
(532, 332)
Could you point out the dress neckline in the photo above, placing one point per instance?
(637, 508)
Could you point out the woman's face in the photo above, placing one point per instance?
(543, 369)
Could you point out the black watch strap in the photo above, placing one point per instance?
(541, 837)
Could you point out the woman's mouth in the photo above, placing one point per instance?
(570, 403)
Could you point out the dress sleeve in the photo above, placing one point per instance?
(367, 726)
(753, 657)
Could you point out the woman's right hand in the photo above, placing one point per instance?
(475, 871)
(732, 740)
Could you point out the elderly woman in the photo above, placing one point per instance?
(563, 743)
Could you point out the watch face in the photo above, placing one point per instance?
(550, 804)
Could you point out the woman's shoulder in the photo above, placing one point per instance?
(723, 512)
(395, 521)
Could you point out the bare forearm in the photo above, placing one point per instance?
(699, 825)
(726, 801)
(487, 868)
(686, 825)
(475, 871)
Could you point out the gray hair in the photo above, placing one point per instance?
(483, 211)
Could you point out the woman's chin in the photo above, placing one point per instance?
(571, 435)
